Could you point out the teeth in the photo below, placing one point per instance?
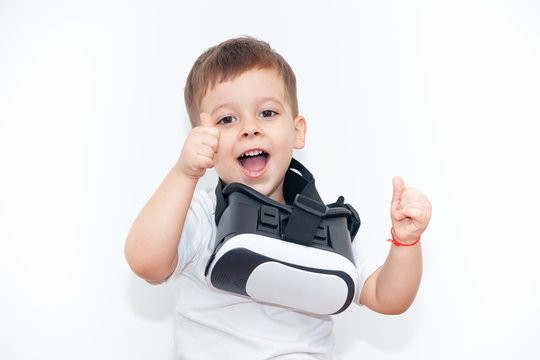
(253, 153)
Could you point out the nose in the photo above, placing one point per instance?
(250, 128)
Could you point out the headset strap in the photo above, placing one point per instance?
(304, 220)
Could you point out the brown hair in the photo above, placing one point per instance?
(228, 60)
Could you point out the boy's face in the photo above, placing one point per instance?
(257, 130)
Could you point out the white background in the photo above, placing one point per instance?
(445, 94)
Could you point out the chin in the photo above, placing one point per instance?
(259, 187)
(269, 191)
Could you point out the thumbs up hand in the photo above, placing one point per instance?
(410, 211)
(199, 149)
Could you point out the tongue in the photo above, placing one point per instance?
(254, 163)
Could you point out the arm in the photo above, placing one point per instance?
(151, 247)
(392, 288)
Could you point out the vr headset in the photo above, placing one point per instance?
(298, 256)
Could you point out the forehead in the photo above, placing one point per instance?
(248, 86)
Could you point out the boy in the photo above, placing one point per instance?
(241, 100)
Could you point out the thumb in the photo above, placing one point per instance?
(206, 120)
(399, 187)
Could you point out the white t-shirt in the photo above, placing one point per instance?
(212, 324)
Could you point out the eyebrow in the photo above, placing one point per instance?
(217, 107)
(269, 98)
(259, 100)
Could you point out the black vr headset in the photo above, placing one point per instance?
(298, 256)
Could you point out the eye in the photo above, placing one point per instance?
(267, 113)
(227, 120)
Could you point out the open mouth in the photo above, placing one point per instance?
(253, 161)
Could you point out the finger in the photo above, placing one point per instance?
(398, 215)
(206, 120)
(210, 127)
(210, 138)
(413, 213)
(206, 162)
(207, 151)
(399, 186)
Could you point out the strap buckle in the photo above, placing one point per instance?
(304, 220)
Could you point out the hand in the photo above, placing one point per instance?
(199, 148)
(410, 212)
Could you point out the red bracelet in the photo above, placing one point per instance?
(397, 243)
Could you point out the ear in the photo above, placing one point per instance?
(300, 128)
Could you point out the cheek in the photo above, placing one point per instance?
(284, 134)
(223, 157)
(288, 140)
(225, 146)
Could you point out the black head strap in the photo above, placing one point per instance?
(299, 182)
(221, 205)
